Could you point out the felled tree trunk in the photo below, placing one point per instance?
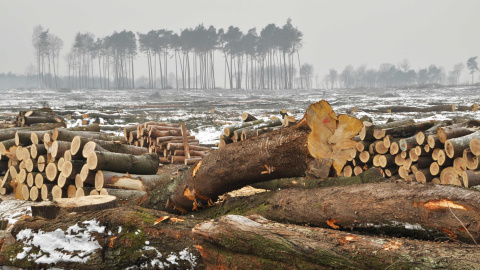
(319, 144)
(237, 242)
(398, 209)
(130, 237)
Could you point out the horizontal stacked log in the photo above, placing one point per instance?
(441, 152)
(170, 141)
(36, 117)
(66, 163)
(251, 127)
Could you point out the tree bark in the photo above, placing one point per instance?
(386, 208)
(237, 242)
(145, 164)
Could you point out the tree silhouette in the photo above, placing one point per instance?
(472, 65)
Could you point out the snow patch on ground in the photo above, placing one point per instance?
(160, 262)
(12, 210)
(76, 244)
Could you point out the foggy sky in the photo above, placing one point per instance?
(336, 33)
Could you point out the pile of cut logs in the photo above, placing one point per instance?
(430, 151)
(46, 162)
(37, 117)
(172, 142)
(251, 127)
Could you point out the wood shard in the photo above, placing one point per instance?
(331, 222)
(161, 219)
(196, 168)
(443, 204)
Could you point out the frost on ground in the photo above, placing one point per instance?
(76, 244)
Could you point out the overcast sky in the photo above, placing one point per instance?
(336, 33)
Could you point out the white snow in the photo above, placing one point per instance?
(12, 210)
(76, 244)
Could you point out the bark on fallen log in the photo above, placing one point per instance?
(379, 207)
(237, 242)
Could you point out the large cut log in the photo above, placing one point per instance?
(246, 117)
(144, 164)
(457, 130)
(79, 142)
(377, 207)
(5, 145)
(371, 132)
(321, 142)
(129, 181)
(408, 130)
(454, 147)
(68, 135)
(81, 204)
(253, 242)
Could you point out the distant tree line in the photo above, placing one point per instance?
(389, 75)
(266, 60)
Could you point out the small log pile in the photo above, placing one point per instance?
(438, 152)
(170, 141)
(65, 163)
(252, 127)
(36, 117)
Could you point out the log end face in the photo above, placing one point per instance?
(92, 160)
(75, 146)
(99, 180)
(449, 150)
(475, 146)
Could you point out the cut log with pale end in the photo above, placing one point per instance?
(365, 157)
(58, 192)
(434, 169)
(471, 178)
(246, 117)
(51, 171)
(39, 179)
(404, 131)
(38, 150)
(145, 164)
(41, 163)
(457, 130)
(23, 138)
(454, 147)
(70, 205)
(90, 147)
(5, 145)
(475, 146)
(79, 143)
(70, 169)
(449, 176)
(58, 148)
(68, 135)
(470, 159)
(434, 142)
(459, 165)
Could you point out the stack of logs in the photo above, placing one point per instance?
(251, 127)
(437, 152)
(172, 142)
(37, 117)
(48, 164)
